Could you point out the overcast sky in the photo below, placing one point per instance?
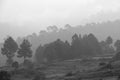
(22, 17)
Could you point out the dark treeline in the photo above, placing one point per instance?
(85, 46)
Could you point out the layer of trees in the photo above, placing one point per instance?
(85, 46)
(101, 30)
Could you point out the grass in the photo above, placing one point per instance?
(85, 68)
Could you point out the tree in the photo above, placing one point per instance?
(102, 64)
(94, 45)
(54, 51)
(4, 75)
(67, 26)
(39, 76)
(109, 40)
(91, 46)
(75, 47)
(15, 64)
(25, 50)
(39, 54)
(106, 46)
(117, 45)
(9, 49)
(52, 28)
(29, 64)
(116, 57)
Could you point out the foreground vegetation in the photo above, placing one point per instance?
(85, 69)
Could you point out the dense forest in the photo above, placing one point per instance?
(86, 46)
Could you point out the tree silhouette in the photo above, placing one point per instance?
(4, 75)
(94, 45)
(117, 45)
(15, 65)
(109, 40)
(25, 50)
(39, 54)
(75, 46)
(9, 49)
(53, 51)
(106, 46)
(116, 57)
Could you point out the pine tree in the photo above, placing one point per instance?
(25, 50)
(9, 49)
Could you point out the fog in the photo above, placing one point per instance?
(23, 17)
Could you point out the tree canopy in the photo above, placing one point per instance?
(25, 50)
(9, 49)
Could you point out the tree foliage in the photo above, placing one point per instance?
(109, 40)
(15, 65)
(106, 46)
(80, 47)
(25, 50)
(117, 45)
(4, 75)
(86, 46)
(9, 49)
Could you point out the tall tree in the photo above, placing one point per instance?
(54, 51)
(9, 49)
(117, 46)
(94, 45)
(106, 46)
(39, 54)
(109, 40)
(75, 46)
(25, 50)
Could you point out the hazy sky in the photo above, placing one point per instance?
(22, 17)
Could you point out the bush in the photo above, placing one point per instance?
(29, 73)
(4, 75)
(39, 76)
(29, 64)
(69, 74)
(15, 65)
(102, 64)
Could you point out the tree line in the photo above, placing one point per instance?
(86, 46)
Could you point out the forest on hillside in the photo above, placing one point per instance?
(84, 41)
(81, 47)
(67, 55)
(84, 47)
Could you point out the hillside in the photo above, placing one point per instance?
(100, 30)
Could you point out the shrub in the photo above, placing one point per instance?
(69, 74)
(39, 76)
(102, 64)
(29, 64)
(4, 75)
(15, 65)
